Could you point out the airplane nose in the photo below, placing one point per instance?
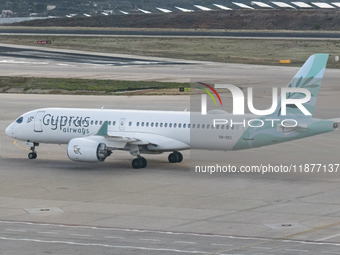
(9, 130)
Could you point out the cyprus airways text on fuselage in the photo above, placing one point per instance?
(67, 124)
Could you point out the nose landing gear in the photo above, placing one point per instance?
(33, 154)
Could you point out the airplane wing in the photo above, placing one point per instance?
(119, 140)
(152, 141)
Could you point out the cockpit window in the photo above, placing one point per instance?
(19, 121)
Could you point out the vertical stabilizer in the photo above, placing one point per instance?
(308, 77)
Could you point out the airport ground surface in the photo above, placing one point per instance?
(54, 205)
(28, 61)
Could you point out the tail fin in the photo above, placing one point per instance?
(308, 77)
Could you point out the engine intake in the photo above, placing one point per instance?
(87, 150)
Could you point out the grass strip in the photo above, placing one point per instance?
(85, 87)
(226, 50)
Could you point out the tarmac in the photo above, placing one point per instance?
(54, 205)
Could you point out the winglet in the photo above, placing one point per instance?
(103, 129)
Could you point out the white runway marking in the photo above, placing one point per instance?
(328, 237)
(48, 233)
(184, 242)
(114, 237)
(15, 230)
(221, 244)
(297, 250)
(22, 62)
(80, 235)
(151, 240)
(103, 245)
(260, 247)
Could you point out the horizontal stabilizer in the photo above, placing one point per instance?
(336, 123)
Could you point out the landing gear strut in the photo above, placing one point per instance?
(175, 157)
(33, 154)
(139, 162)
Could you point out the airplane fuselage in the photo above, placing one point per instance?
(60, 125)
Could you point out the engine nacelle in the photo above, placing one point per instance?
(87, 150)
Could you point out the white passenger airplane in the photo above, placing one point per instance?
(92, 135)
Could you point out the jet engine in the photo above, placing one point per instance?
(87, 150)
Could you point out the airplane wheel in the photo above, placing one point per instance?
(32, 155)
(180, 156)
(139, 163)
(144, 162)
(135, 163)
(173, 157)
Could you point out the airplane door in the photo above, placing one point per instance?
(38, 122)
(122, 124)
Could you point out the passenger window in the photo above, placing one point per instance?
(114, 123)
(142, 124)
(165, 124)
(109, 123)
(130, 123)
(189, 125)
(175, 125)
(227, 127)
(217, 126)
(100, 122)
(161, 124)
(156, 124)
(170, 125)
(91, 122)
(137, 124)
(151, 124)
(208, 126)
(198, 125)
(193, 125)
(203, 126)
(147, 124)
(222, 127)
(184, 125)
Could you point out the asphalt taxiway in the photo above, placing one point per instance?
(38, 55)
(169, 33)
(54, 205)
(25, 61)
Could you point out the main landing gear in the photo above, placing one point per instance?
(33, 154)
(139, 162)
(175, 157)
